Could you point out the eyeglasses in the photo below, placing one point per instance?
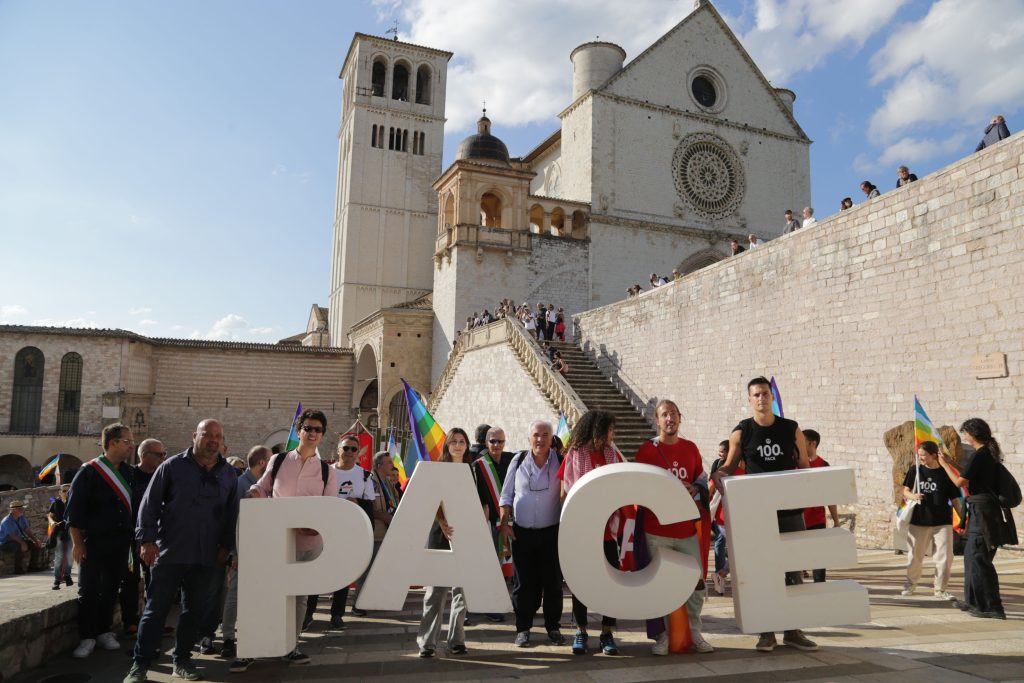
(496, 441)
(123, 440)
(312, 430)
(350, 449)
(156, 453)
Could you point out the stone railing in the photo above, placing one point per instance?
(611, 367)
(552, 384)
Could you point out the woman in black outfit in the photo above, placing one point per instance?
(981, 583)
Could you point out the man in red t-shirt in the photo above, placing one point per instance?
(681, 458)
(814, 518)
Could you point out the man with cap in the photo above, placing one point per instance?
(18, 538)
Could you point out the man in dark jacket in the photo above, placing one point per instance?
(904, 177)
(995, 132)
(480, 447)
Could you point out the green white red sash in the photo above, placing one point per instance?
(490, 475)
(114, 480)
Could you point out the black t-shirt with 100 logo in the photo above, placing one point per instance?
(768, 449)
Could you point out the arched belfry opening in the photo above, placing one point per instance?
(400, 82)
(423, 84)
(490, 210)
(378, 76)
(365, 385)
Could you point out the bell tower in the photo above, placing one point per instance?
(390, 143)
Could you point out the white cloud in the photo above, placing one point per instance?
(227, 328)
(909, 150)
(960, 63)
(8, 311)
(71, 322)
(147, 323)
(282, 171)
(261, 330)
(140, 311)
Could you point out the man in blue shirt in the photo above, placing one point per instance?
(19, 539)
(186, 529)
(530, 508)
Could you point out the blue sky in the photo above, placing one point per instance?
(169, 168)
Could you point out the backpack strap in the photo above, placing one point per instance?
(275, 466)
(366, 474)
(325, 473)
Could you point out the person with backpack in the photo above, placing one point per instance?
(985, 478)
(300, 472)
(929, 486)
(530, 509)
(355, 485)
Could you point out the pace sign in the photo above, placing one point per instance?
(269, 578)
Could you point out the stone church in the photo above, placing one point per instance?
(656, 165)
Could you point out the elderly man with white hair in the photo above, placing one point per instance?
(530, 508)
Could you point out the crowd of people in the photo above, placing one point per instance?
(543, 323)
(175, 517)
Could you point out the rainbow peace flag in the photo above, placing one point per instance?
(293, 436)
(49, 467)
(427, 435)
(562, 431)
(396, 458)
(776, 398)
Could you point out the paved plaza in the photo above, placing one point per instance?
(910, 640)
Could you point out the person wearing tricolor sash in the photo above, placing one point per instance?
(101, 524)
(489, 470)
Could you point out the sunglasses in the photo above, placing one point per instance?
(350, 449)
(496, 441)
(312, 430)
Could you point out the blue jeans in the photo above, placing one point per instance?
(721, 549)
(62, 560)
(198, 585)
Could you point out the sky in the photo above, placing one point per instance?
(170, 168)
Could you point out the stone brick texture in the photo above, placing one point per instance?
(853, 317)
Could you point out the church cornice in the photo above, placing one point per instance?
(478, 168)
(389, 209)
(710, 234)
(389, 44)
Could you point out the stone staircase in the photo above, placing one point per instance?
(598, 393)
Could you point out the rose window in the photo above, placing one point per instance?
(708, 175)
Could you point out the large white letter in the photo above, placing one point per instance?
(759, 556)
(662, 585)
(268, 575)
(403, 559)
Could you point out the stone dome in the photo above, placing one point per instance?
(483, 146)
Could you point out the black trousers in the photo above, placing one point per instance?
(129, 596)
(536, 576)
(99, 577)
(818, 574)
(32, 552)
(981, 583)
(579, 610)
(338, 600)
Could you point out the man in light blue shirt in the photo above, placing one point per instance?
(19, 539)
(530, 508)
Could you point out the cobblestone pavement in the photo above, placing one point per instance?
(909, 639)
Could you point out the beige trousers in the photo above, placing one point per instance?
(919, 539)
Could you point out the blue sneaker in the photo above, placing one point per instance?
(579, 643)
(608, 644)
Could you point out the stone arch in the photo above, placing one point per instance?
(400, 74)
(68, 466)
(448, 212)
(365, 381)
(16, 472)
(536, 219)
(579, 224)
(701, 259)
(423, 84)
(491, 205)
(27, 390)
(378, 75)
(557, 221)
(276, 440)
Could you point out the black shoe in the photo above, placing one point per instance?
(69, 582)
(229, 650)
(986, 614)
(457, 649)
(337, 622)
(426, 652)
(56, 586)
(556, 637)
(239, 666)
(296, 657)
(356, 612)
(960, 605)
(467, 621)
(307, 623)
(206, 647)
(495, 618)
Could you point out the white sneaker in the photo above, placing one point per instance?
(107, 641)
(719, 583)
(701, 645)
(660, 646)
(943, 595)
(84, 648)
(909, 590)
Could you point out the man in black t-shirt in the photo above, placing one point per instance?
(932, 518)
(767, 443)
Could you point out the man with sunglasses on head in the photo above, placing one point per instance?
(151, 455)
(489, 471)
(101, 522)
(300, 472)
(186, 529)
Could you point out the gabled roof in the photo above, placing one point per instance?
(706, 6)
(544, 146)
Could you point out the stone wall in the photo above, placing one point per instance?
(490, 386)
(37, 503)
(853, 316)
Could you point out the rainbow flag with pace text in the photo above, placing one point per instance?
(562, 431)
(50, 467)
(427, 436)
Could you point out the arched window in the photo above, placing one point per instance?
(391, 138)
(380, 70)
(557, 221)
(405, 140)
(490, 210)
(400, 82)
(398, 415)
(380, 137)
(579, 225)
(69, 400)
(27, 400)
(423, 84)
(449, 211)
(373, 138)
(537, 219)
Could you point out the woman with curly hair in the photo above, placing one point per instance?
(590, 446)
